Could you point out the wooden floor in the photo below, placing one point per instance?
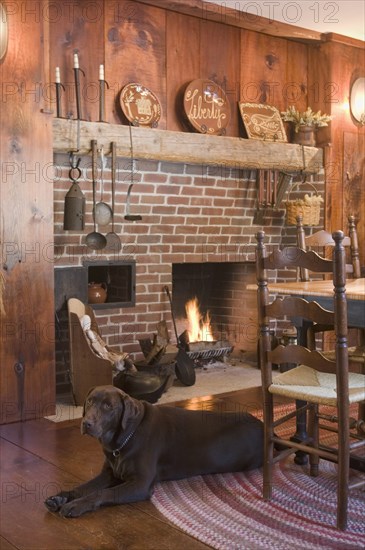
(40, 457)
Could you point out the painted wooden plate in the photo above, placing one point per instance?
(140, 105)
(207, 107)
(262, 122)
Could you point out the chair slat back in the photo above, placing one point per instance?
(293, 306)
(301, 355)
(292, 256)
(297, 307)
(319, 240)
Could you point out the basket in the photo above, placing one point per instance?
(310, 211)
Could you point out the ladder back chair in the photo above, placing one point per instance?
(316, 380)
(319, 241)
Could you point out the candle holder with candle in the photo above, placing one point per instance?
(59, 86)
(77, 71)
(102, 84)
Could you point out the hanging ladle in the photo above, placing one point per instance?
(95, 240)
(102, 212)
(112, 240)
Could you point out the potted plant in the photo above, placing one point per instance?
(305, 123)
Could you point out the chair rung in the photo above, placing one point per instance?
(288, 416)
(307, 449)
(356, 484)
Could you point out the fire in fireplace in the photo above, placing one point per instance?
(198, 339)
(199, 327)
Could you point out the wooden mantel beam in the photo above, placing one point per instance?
(184, 147)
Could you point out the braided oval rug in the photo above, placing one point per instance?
(227, 511)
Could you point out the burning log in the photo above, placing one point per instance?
(198, 340)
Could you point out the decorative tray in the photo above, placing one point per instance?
(262, 122)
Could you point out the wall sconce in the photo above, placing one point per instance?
(357, 100)
(3, 31)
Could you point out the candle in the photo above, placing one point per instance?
(101, 72)
(76, 61)
(58, 75)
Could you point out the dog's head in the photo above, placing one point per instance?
(107, 411)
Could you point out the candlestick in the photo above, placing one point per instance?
(58, 91)
(102, 84)
(101, 72)
(77, 70)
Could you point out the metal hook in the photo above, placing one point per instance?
(74, 163)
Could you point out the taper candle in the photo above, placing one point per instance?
(101, 72)
(58, 76)
(76, 61)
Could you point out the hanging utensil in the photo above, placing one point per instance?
(184, 369)
(95, 240)
(112, 239)
(102, 210)
(128, 216)
(74, 209)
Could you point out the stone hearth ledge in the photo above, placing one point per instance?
(186, 148)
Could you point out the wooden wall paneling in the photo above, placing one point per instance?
(27, 373)
(236, 15)
(220, 61)
(135, 51)
(295, 88)
(263, 69)
(333, 66)
(182, 65)
(78, 28)
(354, 178)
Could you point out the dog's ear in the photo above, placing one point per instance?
(87, 395)
(132, 409)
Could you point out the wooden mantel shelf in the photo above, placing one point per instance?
(184, 147)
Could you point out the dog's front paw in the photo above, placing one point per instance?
(53, 504)
(75, 508)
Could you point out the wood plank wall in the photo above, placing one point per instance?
(27, 327)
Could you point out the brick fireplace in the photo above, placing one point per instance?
(197, 235)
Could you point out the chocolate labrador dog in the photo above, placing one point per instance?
(145, 443)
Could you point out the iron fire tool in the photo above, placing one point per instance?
(128, 216)
(77, 71)
(102, 84)
(184, 368)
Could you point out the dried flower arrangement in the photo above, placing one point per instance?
(309, 200)
(306, 118)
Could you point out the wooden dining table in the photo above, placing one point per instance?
(322, 292)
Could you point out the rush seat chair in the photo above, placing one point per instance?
(315, 380)
(320, 241)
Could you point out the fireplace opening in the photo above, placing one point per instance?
(220, 290)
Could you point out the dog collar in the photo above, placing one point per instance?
(116, 452)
